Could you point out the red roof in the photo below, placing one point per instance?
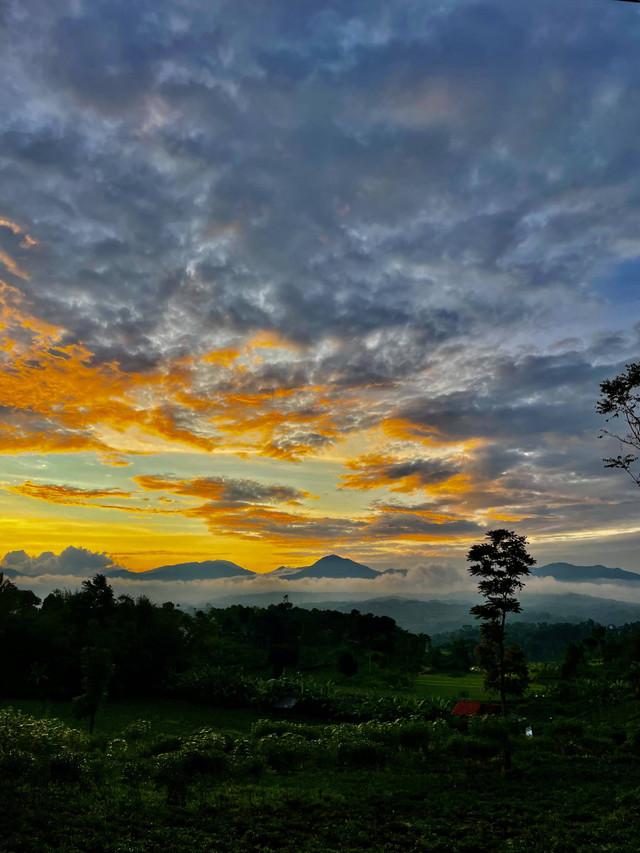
(473, 709)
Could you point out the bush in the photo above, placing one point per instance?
(360, 752)
(284, 753)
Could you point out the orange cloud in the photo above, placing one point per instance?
(27, 241)
(199, 487)
(375, 470)
(57, 398)
(272, 516)
(272, 340)
(12, 266)
(223, 357)
(73, 496)
(405, 430)
(64, 494)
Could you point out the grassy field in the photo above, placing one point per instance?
(454, 686)
(451, 686)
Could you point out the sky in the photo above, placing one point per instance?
(286, 279)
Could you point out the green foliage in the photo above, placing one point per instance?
(291, 786)
(509, 673)
(219, 657)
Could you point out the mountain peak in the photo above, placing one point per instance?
(333, 566)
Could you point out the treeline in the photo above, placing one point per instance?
(584, 660)
(145, 649)
(545, 642)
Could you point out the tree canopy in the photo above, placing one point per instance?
(620, 401)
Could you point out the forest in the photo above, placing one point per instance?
(124, 722)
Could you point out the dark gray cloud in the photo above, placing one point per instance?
(516, 398)
(350, 145)
(397, 521)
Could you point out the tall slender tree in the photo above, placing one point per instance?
(500, 562)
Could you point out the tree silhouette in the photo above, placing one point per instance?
(500, 562)
(620, 401)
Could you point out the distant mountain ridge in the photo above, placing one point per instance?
(330, 567)
(205, 570)
(567, 572)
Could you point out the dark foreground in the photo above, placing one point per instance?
(409, 785)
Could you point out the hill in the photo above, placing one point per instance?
(205, 570)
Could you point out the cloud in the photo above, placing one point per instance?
(396, 239)
(227, 491)
(339, 155)
(401, 475)
(75, 562)
(65, 494)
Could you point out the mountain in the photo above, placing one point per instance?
(206, 570)
(329, 567)
(9, 573)
(584, 574)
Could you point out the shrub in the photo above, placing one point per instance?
(284, 753)
(361, 753)
(137, 730)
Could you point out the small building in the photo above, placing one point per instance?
(464, 708)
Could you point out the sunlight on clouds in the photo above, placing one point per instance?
(27, 240)
(65, 494)
(60, 399)
(11, 265)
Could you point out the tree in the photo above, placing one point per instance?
(574, 661)
(514, 668)
(620, 401)
(96, 675)
(459, 654)
(98, 596)
(347, 664)
(500, 562)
